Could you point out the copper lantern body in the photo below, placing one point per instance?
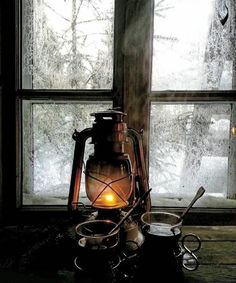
(111, 182)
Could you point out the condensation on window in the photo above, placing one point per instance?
(48, 148)
(67, 44)
(189, 148)
(194, 45)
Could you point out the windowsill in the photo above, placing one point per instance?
(34, 254)
(207, 210)
(207, 201)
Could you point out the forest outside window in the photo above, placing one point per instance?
(194, 45)
(192, 143)
(66, 45)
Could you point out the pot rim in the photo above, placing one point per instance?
(179, 220)
(106, 221)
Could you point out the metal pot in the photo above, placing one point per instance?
(162, 231)
(96, 247)
(95, 235)
(161, 224)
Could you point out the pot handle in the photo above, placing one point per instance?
(145, 228)
(179, 224)
(188, 254)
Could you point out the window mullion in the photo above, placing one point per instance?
(231, 187)
(191, 96)
(119, 29)
(26, 28)
(137, 50)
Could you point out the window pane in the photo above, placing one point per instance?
(48, 148)
(67, 44)
(194, 45)
(189, 148)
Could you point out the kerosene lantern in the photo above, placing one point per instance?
(115, 183)
(111, 181)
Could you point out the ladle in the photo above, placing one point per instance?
(199, 193)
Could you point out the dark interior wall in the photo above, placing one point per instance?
(0, 113)
(7, 110)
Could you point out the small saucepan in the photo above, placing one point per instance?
(161, 225)
(166, 224)
(94, 234)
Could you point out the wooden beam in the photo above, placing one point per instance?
(136, 50)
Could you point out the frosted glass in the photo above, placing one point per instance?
(189, 145)
(67, 44)
(194, 45)
(49, 148)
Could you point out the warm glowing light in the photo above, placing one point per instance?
(108, 184)
(109, 198)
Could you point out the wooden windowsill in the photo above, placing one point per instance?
(217, 255)
(22, 247)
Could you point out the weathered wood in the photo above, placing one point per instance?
(137, 42)
(205, 274)
(33, 254)
(119, 29)
(211, 274)
(192, 95)
(231, 192)
(218, 244)
(226, 233)
(216, 253)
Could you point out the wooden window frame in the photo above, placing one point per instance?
(131, 92)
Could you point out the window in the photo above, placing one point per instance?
(65, 45)
(193, 53)
(190, 146)
(48, 147)
(169, 64)
(191, 143)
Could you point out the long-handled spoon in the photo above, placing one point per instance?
(199, 193)
(143, 197)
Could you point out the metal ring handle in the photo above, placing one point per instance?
(194, 258)
(77, 265)
(190, 252)
(191, 235)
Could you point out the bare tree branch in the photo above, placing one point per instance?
(54, 11)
